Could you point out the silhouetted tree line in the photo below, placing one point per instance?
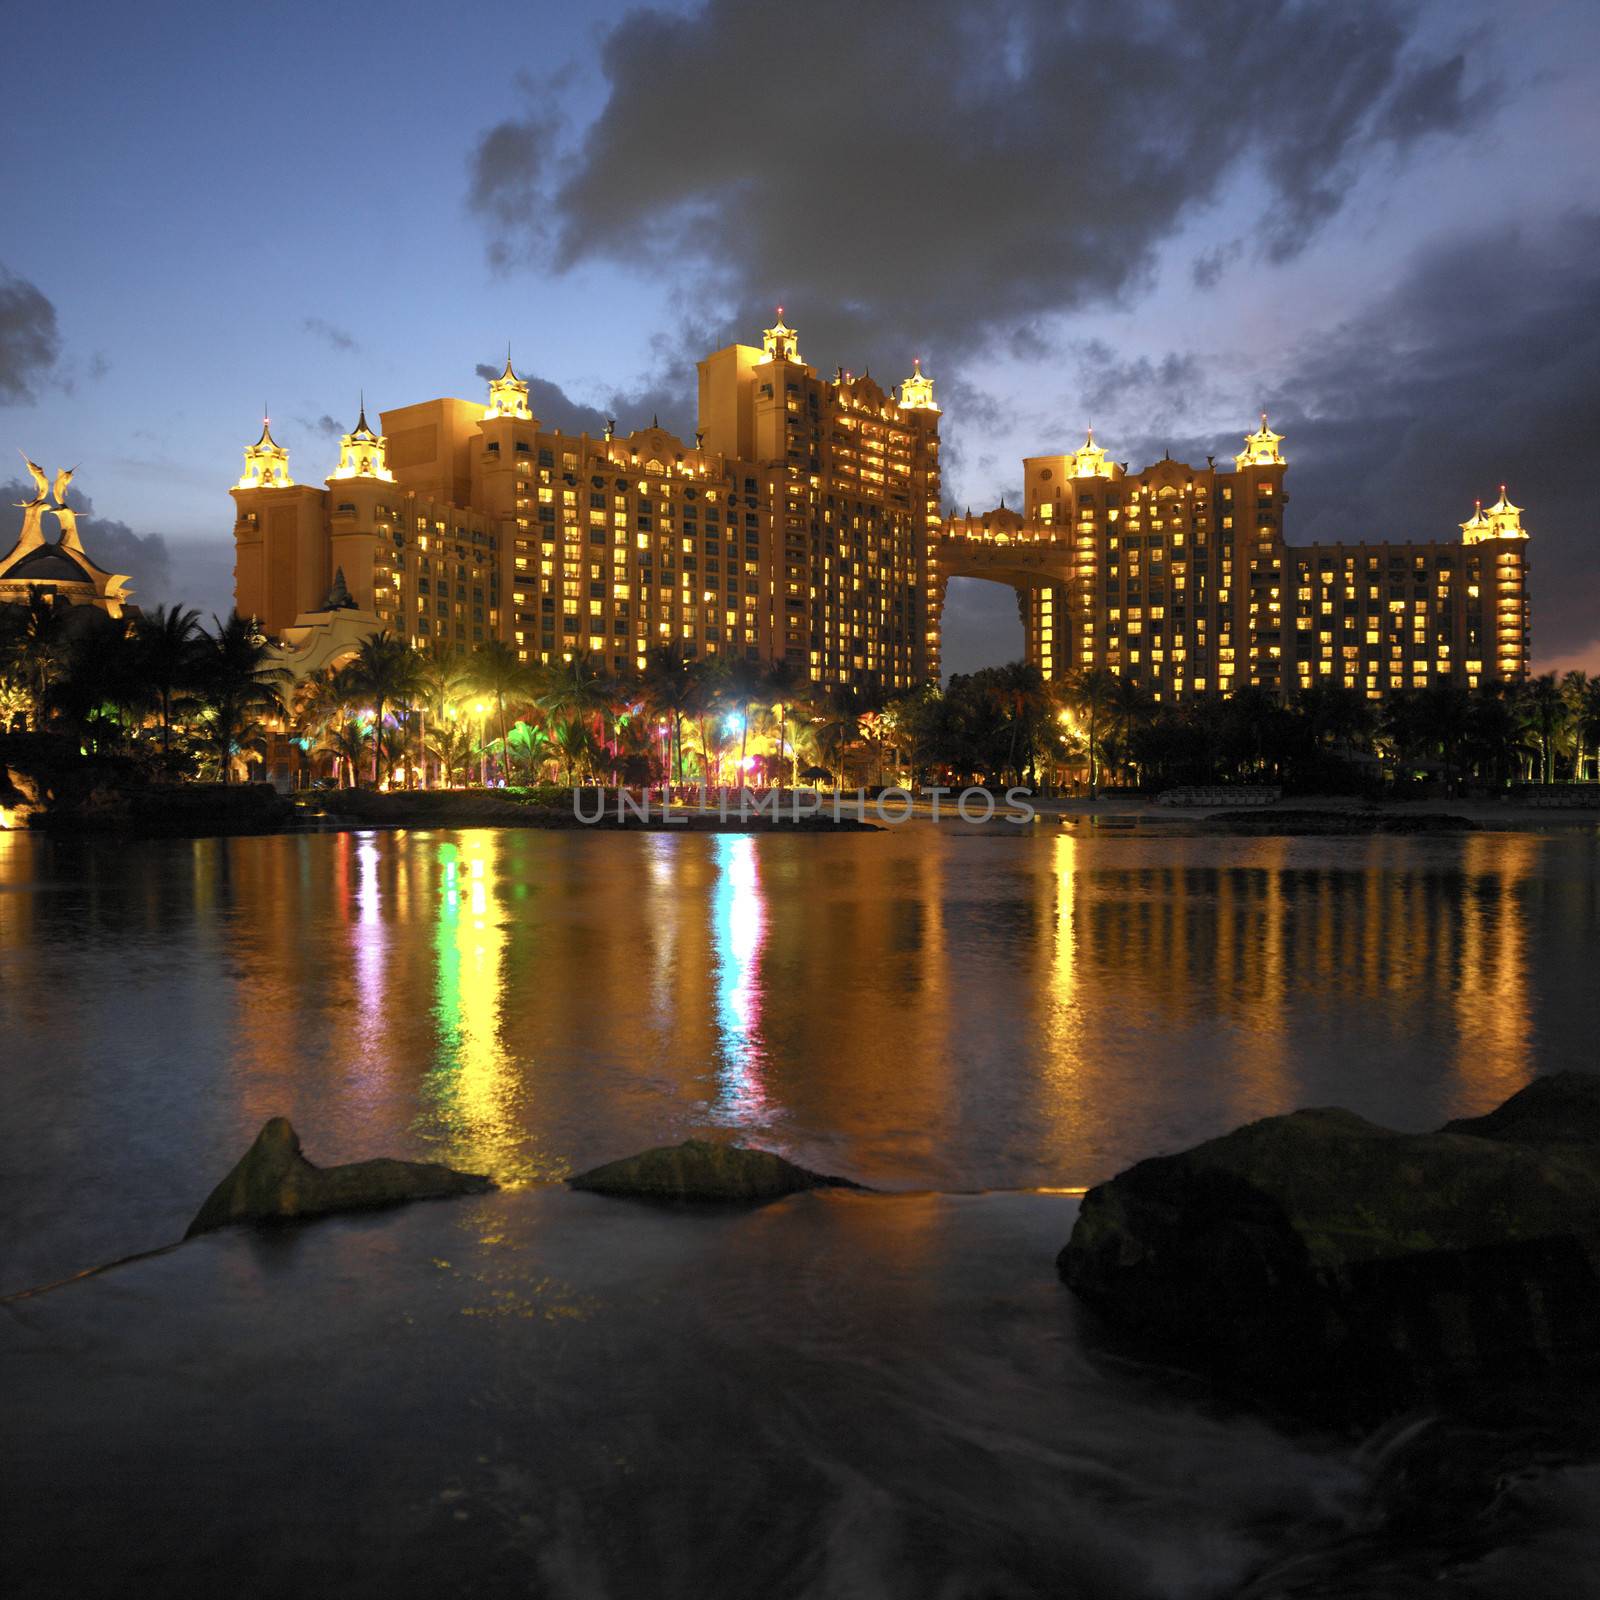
(189, 701)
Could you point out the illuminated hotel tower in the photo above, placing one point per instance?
(1180, 579)
(797, 526)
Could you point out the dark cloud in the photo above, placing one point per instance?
(1208, 267)
(144, 557)
(337, 338)
(1430, 99)
(29, 340)
(327, 427)
(669, 394)
(971, 166)
(508, 167)
(1481, 366)
(1163, 391)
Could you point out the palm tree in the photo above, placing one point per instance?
(442, 674)
(575, 741)
(788, 686)
(1486, 727)
(670, 691)
(528, 743)
(1092, 692)
(451, 746)
(744, 684)
(1404, 726)
(495, 668)
(345, 743)
(322, 702)
(386, 671)
(235, 679)
(1131, 706)
(581, 688)
(1584, 699)
(1547, 711)
(707, 676)
(36, 645)
(838, 726)
(99, 689)
(168, 641)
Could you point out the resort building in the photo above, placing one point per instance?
(799, 525)
(803, 524)
(1180, 579)
(59, 570)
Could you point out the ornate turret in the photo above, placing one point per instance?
(1261, 448)
(780, 343)
(362, 453)
(266, 463)
(1502, 520)
(508, 395)
(1090, 461)
(916, 393)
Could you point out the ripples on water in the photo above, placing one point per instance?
(838, 1396)
(921, 1008)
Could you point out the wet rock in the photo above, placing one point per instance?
(1319, 1259)
(699, 1169)
(274, 1182)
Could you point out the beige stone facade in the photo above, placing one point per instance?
(797, 526)
(1181, 579)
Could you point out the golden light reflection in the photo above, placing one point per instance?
(1494, 1048)
(472, 1084)
(369, 953)
(739, 924)
(1066, 1032)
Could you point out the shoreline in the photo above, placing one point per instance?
(242, 811)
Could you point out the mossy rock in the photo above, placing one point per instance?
(273, 1182)
(701, 1170)
(1319, 1257)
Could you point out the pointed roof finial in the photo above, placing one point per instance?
(1089, 460)
(266, 462)
(1261, 448)
(916, 393)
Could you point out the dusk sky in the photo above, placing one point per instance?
(1381, 223)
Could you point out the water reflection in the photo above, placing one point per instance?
(469, 1089)
(915, 1008)
(369, 940)
(738, 937)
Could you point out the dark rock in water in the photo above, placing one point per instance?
(273, 1182)
(701, 1170)
(1562, 1108)
(1319, 1258)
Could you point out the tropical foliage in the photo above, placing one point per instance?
(212, 702)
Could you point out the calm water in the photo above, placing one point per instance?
(549, 1393)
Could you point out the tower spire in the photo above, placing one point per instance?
(363, 453)
(508, 394)
(916, 392)
(1261, 448)
(266, 462)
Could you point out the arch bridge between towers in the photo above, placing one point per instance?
(1038, 562)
